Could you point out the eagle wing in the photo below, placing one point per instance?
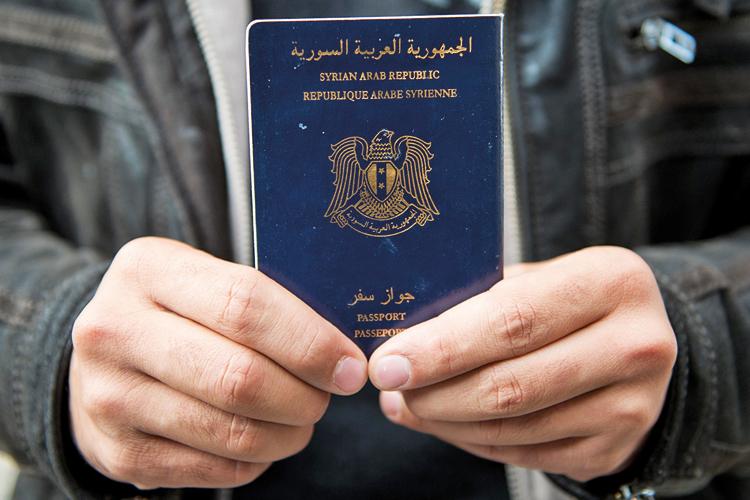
(348, 170)
(414, 168)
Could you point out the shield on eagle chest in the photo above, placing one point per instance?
(381, 178)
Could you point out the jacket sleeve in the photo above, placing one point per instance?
(706, 425)
(703, 436)
(44, 283)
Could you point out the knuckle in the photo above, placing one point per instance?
(241, 381)
(207, 422)
(502, 393)
(320, 345)
(243, 436)
(129, 258)
(636, 414)
(237, 312)
(90, 330)
(513, 326)
(103, 404)
(132, 267)
(631, 276)
(664, 350)
(655, 354)
(443, 352)
(491, 432)
(128, 463)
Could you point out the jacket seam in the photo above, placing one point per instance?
(26, 81)
(537, 244)
(708, 421)
(681, 390)
(594, 119)
(61, 351)
(21, 362)
(16, 395)
(53, 333)
(62, 33)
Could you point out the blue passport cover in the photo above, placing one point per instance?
(376, 154)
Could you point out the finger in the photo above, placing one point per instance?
(581, 459)
(571, 367)
(581, 417)
(515, 270)
(150, 462)
(571, 457)
(248, 308)
(515, 317)
(185, 420)
(207, 366)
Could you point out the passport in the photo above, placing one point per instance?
(376, 160)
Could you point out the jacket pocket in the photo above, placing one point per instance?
(677, 127)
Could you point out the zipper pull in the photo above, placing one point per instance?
(626, 493)
(657, 33)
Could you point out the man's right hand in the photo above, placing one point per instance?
(189, 371)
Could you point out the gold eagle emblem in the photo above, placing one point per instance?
(381, 187)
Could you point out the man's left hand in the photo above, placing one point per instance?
(563, 366)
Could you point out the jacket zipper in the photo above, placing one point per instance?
(657, 33)
(626, 493)
(238, 182)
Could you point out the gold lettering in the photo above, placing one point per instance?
(366, 76)
(433, 74)
(342, 76)
(432, 93)
(395, 48)
(381, 95)
(336, 95)
(377, 332)
(380, 317)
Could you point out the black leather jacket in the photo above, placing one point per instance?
(108, 131)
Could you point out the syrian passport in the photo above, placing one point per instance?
(376, 156)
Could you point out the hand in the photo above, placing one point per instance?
(189, 371)
(563, 367)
